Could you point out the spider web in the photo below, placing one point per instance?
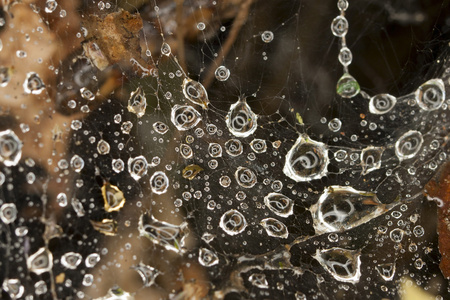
(263, 183)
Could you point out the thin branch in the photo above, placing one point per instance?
(240, 20)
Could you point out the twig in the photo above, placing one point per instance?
(180, 34)
(241, 18)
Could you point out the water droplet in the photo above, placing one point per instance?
(118, 165)
(88, 279)
(13, 287)
(113, 197)
(190, 171)
(342, 208)
(344, 265)
(137, 102)
(185, 117)
(396, 235)
(225, 181)
(431, 94)
(40, 287)
(233, 222)
(162, 233)
(5, 76)
(347, 86)
(382, 103)
(408, 145)
(159, 183)
(106, 226)
(8, 213)
(306, 160)
(10, 148)
(78, 207)
(340, 155)
(222, 73)
(103, 147)
(71, 260)
(40, 262)
(215, 150)
(50, 6)
(259, 280)
(165, 49)
(345, 56)
(245, 177)
(137, 167)
(186, 151)
(147, 273)
(77, 163)
(267, 36)
(126, 127)
(275, 228)
(258, 145)
(371, 159)
(339, 26)
(234, 147)
(241, 120)
(21, 231)
(201, 26)
(160, 127)
(91, 260)
(207, 258)
(279, 204)
(195, 92)
(87, 94)
(61, 199)
(335, 125)
(386, 271)
(418, 231)
(342, 5)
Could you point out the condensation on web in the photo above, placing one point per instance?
(222, 150)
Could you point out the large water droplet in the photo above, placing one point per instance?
(371, 159)
(103, 147)
(8, 213)
(386, 271)
(10, 148)
(431, 94)
(222, 73)
(137, 102)
(113, 197)
(71, 260)
(118, 165)
(185, 117)
(137, 167)
(77, 163)
(279, 204)
(259, 280)
(160, 127)
(258, 145)
(106, 226)
(172, 237)
(275, 228)
(147, 273)
(306, 160)
(233, 222)
(159, 183)
(234, 147)
(347, 86)
(13, 287)
(33, 84)
(245, 177)
(241, 120)
(342, 208)
(339, 26)
(344, 265)
(5, 76)
(408, 145)
(40, 262)
(345, 56)
(91, 260)
(50, 6)
(207, 257)
(195, 92)
(382, 103)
